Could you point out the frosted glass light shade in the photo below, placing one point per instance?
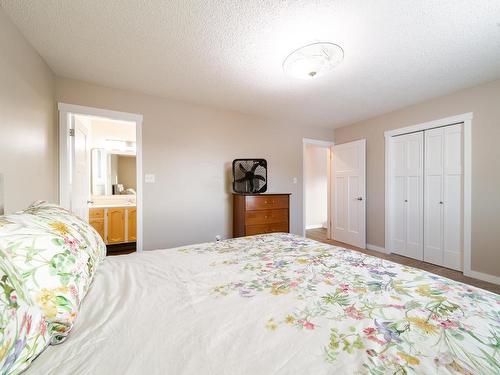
(313, 60)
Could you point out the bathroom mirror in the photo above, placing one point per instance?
(113, 173)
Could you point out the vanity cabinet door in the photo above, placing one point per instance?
(116, 225)
(98, 225)
(96, 219)
(132, 225)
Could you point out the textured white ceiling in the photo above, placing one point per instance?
(229, 53)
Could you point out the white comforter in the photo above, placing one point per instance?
(271, 305)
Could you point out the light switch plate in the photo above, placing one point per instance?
(149, 178)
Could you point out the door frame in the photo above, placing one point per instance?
(466, 119)
(329, 145)
(65, 110)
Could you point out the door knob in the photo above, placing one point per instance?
(406, 200)
(441, 202)
(359, 198)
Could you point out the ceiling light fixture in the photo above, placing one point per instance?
(313, 60)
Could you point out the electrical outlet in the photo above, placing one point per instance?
(218, 238)
(294, 180)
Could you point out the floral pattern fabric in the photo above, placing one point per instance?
(56, 254)
(23, 331)
(374, 316)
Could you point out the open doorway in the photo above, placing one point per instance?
(317, 188)
(100, 173)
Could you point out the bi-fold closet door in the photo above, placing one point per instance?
(427, 196)
(407, 195)
(443, 196)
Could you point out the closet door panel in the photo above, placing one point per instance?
(399, 215)
(453, 197)
(414, 204)
(434, 152)
(433, 250)
(406, 196)
(453, 149)
(399, 159)
(414, 161)
(414, 217)
(433, 197)
(452, 234)
(398, 196)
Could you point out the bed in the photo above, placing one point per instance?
(275, 304)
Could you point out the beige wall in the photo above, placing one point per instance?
(484, 101)
(316, 182)
(190, 149)
(28, 137)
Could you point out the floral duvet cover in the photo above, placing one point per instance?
(278, 304)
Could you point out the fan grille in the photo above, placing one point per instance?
(249, 175)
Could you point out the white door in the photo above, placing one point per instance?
(80, 168)
(406, 196)
(349, 207)
(443, 197)
(453, 197)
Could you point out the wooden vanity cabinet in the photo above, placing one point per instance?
(115, 224)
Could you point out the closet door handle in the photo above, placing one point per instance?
(406, 200)
(441, 202)
(359, 198)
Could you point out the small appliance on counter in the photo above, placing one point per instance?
(118, 189)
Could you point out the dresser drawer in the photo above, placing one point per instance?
(251, 230)
(96, 213)
(266, 216)
(266, 202)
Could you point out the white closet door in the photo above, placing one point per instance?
(443, 197)
(433, 219)
(407, 195)
(398, 195)
(453, 201)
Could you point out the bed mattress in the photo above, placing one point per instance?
(275, 304)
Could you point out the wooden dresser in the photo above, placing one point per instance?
(260, 213)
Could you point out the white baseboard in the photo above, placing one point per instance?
(376, 248)
(483, 276)
(314, 226)
(474, 274)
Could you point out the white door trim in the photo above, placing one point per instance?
(466, 119)
(328, 144)
(65, 110)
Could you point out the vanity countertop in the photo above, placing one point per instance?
(109, 205)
